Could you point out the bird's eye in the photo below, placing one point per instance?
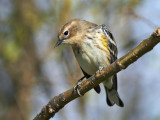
(66, 33)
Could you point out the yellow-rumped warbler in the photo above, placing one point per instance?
(94, 47)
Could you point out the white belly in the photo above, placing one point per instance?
(91, 58)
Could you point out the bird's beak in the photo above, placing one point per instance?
(58, 43)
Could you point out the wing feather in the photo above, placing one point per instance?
(112, 47)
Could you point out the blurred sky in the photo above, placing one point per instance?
(138, 85)
(146, 68)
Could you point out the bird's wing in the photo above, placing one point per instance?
(85, 74)
(112, 47)
(111, 44)
(97, 88)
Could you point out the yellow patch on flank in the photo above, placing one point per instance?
(104, 41)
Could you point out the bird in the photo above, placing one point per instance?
(94, 48)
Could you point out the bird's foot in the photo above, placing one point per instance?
(78, 85)
(101, 68)
(76, 88)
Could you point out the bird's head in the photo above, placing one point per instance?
(72, 32)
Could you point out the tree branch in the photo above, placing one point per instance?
(58, 102)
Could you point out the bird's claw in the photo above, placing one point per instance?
(101, 68)
(76, 88)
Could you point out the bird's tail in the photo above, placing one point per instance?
(112, 97)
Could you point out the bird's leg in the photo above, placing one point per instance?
(101, 67)
(78, 84)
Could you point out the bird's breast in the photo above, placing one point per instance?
(91, 56)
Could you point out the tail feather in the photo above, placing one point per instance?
(112, 97)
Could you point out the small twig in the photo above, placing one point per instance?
(58, 102)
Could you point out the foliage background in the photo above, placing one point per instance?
(32, 71)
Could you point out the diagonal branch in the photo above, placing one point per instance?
(58, 102)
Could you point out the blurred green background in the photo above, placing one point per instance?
(32, 71)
